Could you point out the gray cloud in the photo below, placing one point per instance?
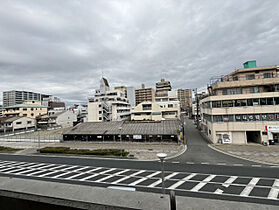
(62, 47)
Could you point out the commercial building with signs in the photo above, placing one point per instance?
(14, 97)
(243, 106)
(144, 94)
(161, 131)
(108, 105)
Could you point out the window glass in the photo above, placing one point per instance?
(216, 104)
(271, 117)
(250, 117)
(241, 102)
(249, 102)
(268, 75)
(218, 118)
(257, 117)
(277, 117)
(276, 100)
(244, 117)
(237, 117)
(256, 102)
(254, 90)
(263, 101)
(227, 103)
(235, 78)
(264, 117)
(269, 101)
(250, 76)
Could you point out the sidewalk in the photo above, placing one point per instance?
(253, 152)
(140, 151)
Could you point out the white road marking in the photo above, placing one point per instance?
(205, 163)
(160, 180)
(25, 171)
(229, 181)
(237, 164)
(68, 168)
(88, 177)
(43, 175)
(6, 169)
(15, 170)
(37, 172)
(106, 171)
(177, 184)
(76, 175)
(95, 169)
(190, 162)
(56, 167)
(137, 181)
(256, 165)
(121, 172)
(127, 177)
(104, 178)
(59, 175)
(77, 170)
(221, 164)
(46, 166)
(175, 162)
(247, 190)
(273, 194)
(153, 174)
(218, 191)
(202, 183)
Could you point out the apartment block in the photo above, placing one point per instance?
(162, 88)
(185, 98)
(243, 107)
(14, 97)
(129, 94)
(144, 94)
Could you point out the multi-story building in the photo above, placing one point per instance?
(169, 104)
(108, 105)
(16, 123)
(31, 109)
(144, 94)
(147, 111)
(243, 106)
(14, 97)
(162, 88)
(1, 111)
(129, 94)
(53, 102)
(185, 98)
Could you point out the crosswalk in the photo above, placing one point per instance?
(252, 187)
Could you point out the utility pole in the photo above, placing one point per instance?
(197, 106)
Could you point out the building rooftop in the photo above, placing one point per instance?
(25, 106)
(165, 127)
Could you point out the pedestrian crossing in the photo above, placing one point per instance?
(251, 187)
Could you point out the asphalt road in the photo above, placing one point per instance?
(199, 152)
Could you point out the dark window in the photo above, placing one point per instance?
(224, 92)
(250, 117)
(263, 101)
(218, 118)
(235, 78)
(249, 102)
(216, 104)
(257, 117)
(18, 123)
(100, 118)
(256, 102)
(32, 109)
(254, 90)
(244, 117)
(250, 76)
(29, 122)
(271, 117)
(264, 117)
(170, 105)
(237, 117)
(276, 101)
(269, 101)
(241, 102)
(100, 112)
(146, 106)
(268, 75)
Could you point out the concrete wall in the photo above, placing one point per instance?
(66, 119)
(24, 123)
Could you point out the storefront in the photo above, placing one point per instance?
(273, 132)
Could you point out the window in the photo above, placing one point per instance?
(268, 75)
(32, 114)
(269, 101)
(276, 101)
(18, 123)
(250, 76)
(100, 112)
(146, 106)
(216, 104)
(24, 109)
(235, 78)
(254, 90)
(100, 118)
(256, 102)
(32, 109)
(250, 117)
(218, 118)
(271, 117)
(241, 102)
(227, 103)
(249, 102)
(263, 101)
(170, 105)
(29, 122)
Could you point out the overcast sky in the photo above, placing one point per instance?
(62, 47)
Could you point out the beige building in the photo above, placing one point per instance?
(16, 123)
(30, 109)
(243, 106)
(185, 98)
(162, 88)
(144, 94)
(147, 111)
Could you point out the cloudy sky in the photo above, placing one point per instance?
(61, 47)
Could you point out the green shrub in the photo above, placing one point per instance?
(8, 149)
(101, 152)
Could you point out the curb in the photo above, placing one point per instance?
(227, 153)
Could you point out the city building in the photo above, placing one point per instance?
(31, 109)
(170, 106)
(243, 106)
(1, 111)
(185, 98)
(14, 124)
(81, 112)
(147, 111)
(145, 94)
(129, 94)
(162, 88)
(108, 105)
(53, 102)
(14, 97)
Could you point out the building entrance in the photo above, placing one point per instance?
(253, 136)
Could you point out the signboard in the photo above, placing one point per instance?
(137, 137)
(272, 128)
(226, 139)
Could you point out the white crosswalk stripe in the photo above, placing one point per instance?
(79, 169)
(92, 170)
(177, 184)
(246, 191)
(229, 181)
(201, 184)
(127, 177)
(88, 177)
(49, 173)
(59, 175)
(273, 194)
(76, 175)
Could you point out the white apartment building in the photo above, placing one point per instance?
(243, 106)
(108, 105)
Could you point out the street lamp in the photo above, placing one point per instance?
(162, 156)
(120, 128)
